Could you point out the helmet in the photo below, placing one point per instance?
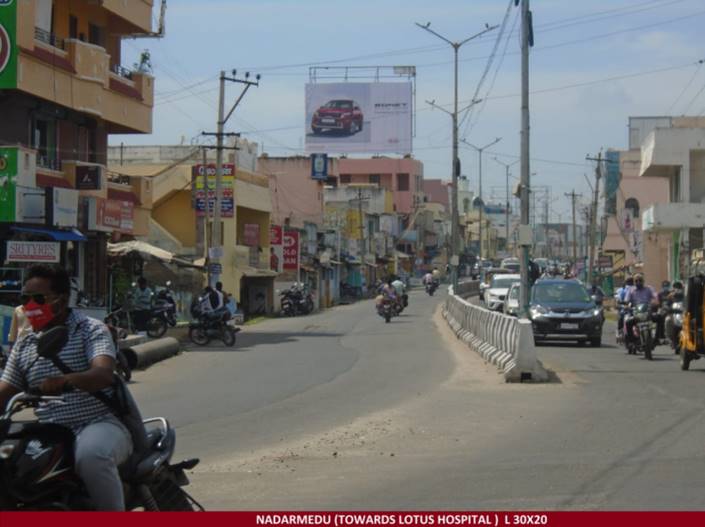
(629, 280)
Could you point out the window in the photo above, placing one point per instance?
(45, 140)
(332, 182)
(403, 182)
(374, 179)
(633, 205)
(345, 179)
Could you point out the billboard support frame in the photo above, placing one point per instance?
(368, 74)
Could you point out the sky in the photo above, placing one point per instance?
(594, 64)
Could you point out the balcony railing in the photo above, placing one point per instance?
(51, 39)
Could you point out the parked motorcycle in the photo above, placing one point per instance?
(642, 338)
(161, 315)
(208, 324)
(37, 465)
(296, 300)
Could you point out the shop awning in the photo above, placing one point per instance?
(147, 250)
(74, 235)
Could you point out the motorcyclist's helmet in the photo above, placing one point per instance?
(678, 285)
(629, 281)
(639, 280)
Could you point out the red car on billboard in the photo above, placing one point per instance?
(338, 115)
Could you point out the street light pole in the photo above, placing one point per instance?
(507, 167)
(482, 203)
(455, 260)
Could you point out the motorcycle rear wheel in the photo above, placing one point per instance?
(199, 336)
(648, 346)
(156, 327)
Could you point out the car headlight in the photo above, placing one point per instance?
(538, 311)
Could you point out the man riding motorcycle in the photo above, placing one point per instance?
(102, 442)
(637, 295)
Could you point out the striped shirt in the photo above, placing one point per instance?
(88, 338)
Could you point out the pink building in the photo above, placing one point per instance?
(436, 191)
(296, 198)
(402, 177)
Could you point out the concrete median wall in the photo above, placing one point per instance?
(505, 341)
(468, 288)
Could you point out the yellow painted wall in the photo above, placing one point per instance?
(244, 216)
(178, 217)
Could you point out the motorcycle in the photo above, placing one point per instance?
(211, 324)
(642, 338)
(385, 309)
(296, 300)
(623, 310)
(673, 325)
(123, 367)
(37, 465)
(431, 287)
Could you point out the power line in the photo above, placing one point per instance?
(687, 86)
(700, 91)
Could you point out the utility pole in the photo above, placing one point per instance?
(507, 167)
(527, 40)
(573, 197)
(482, 203)
(363, 242)
(593, 215)
(220, 136)
(456, 161)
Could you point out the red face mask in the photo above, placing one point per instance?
(39, 315)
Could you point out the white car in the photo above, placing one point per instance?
(496, 292)
(511, 304)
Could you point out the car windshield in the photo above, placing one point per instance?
(556, 293)
(502, 282)
(345, 105)
(514, 293)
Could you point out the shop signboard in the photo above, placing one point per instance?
(89, 177)
(62, 207)
(108, 215)
(227, 205)
(8, 44)
(44, 252)
(276, 249)
(292, 248)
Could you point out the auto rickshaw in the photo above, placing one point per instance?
(692, 341)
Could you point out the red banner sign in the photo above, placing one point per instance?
(275, 235)
(115, 215)
(291, 250)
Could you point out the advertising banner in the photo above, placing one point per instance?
(8, 44)
(359, 117)
(251, 234)
(276, 250)
(227, 206)
(291, 250)
(46, 252)
(8, 183)
(319, 167)
(612, 181)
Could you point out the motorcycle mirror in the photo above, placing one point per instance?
(52, 341)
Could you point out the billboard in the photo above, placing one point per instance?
(359, 117)
(227, 205)
(612, 181)
(8, 44)
(319, 167)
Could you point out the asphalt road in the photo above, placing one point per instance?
(342, 411)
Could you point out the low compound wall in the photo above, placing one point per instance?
(505, 341)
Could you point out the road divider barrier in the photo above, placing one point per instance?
(504, 341)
